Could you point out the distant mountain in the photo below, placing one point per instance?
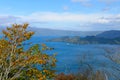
(107, 37)
(109, 34)
(53, 32)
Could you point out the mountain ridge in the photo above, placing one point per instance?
(109, 34)
(55, 32)
(98, 39)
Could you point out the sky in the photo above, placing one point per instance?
(75, 15)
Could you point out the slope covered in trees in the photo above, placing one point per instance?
(109, 34)
(107, 37)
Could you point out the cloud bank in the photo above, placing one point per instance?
(69, 21)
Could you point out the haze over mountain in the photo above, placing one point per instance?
(53, 32)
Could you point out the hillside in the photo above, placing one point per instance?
(107, 37)
(109, 34)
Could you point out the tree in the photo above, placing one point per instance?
(16, 63)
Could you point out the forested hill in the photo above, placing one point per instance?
(110, 34)
(107, 37)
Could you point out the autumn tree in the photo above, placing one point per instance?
(17, 63)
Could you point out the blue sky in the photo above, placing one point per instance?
(80, 15)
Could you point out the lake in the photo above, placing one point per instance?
(73, 58)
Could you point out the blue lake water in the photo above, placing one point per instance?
(71, 57)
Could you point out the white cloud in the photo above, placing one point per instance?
(65, 20)
(67, 17)
(62, 17)
(55, 17)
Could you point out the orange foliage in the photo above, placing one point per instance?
(17, 63)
